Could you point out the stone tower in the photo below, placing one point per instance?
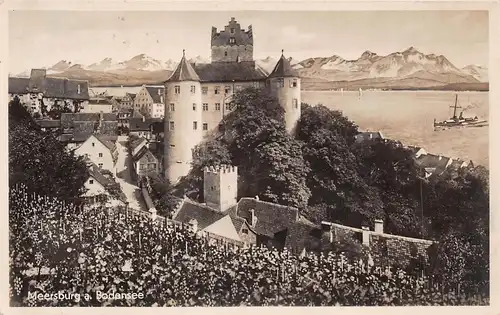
(183, 120)
(284, 84)
(232, 43)
(220, 186)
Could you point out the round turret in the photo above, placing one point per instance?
(284, 84)
(183, 120)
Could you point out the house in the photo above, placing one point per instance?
(100, 151)
(39, 93)
(125, 114)
(99, 105)
(140, 127)
(150, 100)
(136, 144)
(145, 162)
(369, 135)
(128, 100)
(253, 221)
(431, 164)
(417, 151)
(102, 187)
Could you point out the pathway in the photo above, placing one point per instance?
(124, 176)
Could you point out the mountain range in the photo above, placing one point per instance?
(410, 69)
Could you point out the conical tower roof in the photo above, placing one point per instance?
(183, 72)
(283, 69)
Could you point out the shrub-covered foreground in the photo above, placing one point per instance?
(57, 247)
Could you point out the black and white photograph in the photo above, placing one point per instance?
(229, 158)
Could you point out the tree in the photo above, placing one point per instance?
(39, 161)
(321, 117)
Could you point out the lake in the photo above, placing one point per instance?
(403, 115)
(408, 116)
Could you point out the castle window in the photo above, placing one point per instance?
(293, 83)
(194, 106)
(171, 125)
(205, 107)
(225, 54)
(93, 144)
(204, 90)
(100, 154)
(228, 106)
(193, 89)
(244, 231)
(205, 126)
(217, 106)
(232, 30)
(217, 90)
(231, 41)
(91, 181)
(280, 83)
(172, 107)
(227, 89)
(100, 165)
(195, 125)
(295, 103)
(172, 145)
(177, 89)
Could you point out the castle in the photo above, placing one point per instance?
(198, 96)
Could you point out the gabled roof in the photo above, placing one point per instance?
(240, 36)
(271, 217)
(183, 72)
(204, 215)
(130, 95)
(156, 93)
(95, 172)
(432, 161)
(229, 71)
(137, 142)
(146, 156)
(109, 144)
(283, 68)
(224, 227)
(50, 87)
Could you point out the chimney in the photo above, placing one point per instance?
(371, 135)
(257, 198)
(379, 226)
(253, 218)
(79, 89)
(366, 236)
(143, 118)
(159, 91)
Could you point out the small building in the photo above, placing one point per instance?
(369, 135)
(39, 93)
(101, 187)
(98, 105)
(128, 100)
(150, 100)
(431, 164)
(145, 162)
(99, 151)
(140, 127)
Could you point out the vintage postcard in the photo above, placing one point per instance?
(242, 157)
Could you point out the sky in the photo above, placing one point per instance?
(42, 38)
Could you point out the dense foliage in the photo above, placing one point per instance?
(85, 250)
(38, 160)
(330, 176)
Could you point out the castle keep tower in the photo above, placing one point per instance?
(220, 186)
(232, 44)
(284, 84)
(183, 120)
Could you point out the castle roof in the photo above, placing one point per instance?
(229, 71)
(183, 72)
(283, 69)
(240, 36)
